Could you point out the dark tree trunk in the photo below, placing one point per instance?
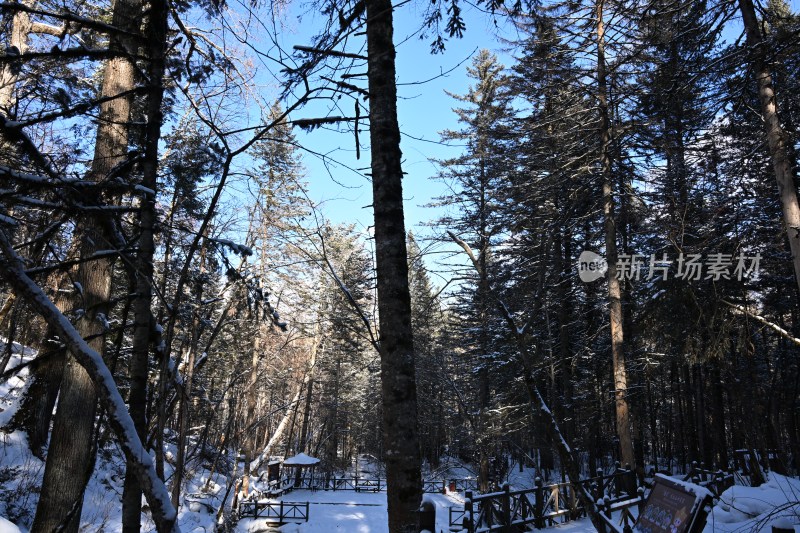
(398, 382)
(36, 411)
(69, 465)
(718, 413)
(687, 416)
(143, 319)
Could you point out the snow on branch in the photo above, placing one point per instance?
(325, 52)
(155, 492)
(758, 318)
(238, 249)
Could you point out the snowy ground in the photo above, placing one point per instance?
(741, 509)
(757, 508)
(348, 511)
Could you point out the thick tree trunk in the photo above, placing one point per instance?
(622, 410)
(69, 466)
(36, 411)
(776, 135)
(398, 381)
(120, 421)
(143, 318)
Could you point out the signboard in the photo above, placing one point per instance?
(670, 508)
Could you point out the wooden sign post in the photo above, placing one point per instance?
(674, 507)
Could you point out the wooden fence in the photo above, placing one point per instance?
(509, 511)
(359, 484)
(716, 482)
(281, 512)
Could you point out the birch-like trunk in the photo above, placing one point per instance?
(776, 135)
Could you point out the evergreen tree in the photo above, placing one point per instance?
(476, 178)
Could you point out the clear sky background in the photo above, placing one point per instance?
(424, 110)
(343, 194)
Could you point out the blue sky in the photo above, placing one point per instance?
(424, 110)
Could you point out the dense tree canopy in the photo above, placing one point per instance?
(156, 227)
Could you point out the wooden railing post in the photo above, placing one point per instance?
(631, 480)
(617, 480)
(605, 506)
(572, 502)
(599, 489)
(427, 516)
(538, 504)
(469, 519)
(506, 508)
(280, 513)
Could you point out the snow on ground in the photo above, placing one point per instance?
(742, 510)
(757, 508)
(347, 511)
(7, 527)
(21, 475)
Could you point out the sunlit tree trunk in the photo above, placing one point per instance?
(776, 135)
(70, 459)
(614, 287)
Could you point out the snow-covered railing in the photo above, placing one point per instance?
(433, 486)
(357, 484)
(672, 505)
(282, 512)
(616, 486)
(717, 482)
(543, 505)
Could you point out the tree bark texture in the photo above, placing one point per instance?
(18, 38)
(621, 408)
(143, 317)
(69, 466)
(398, 381)
(119, 420)
(776, 135)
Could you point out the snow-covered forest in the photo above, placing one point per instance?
(608, 285)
